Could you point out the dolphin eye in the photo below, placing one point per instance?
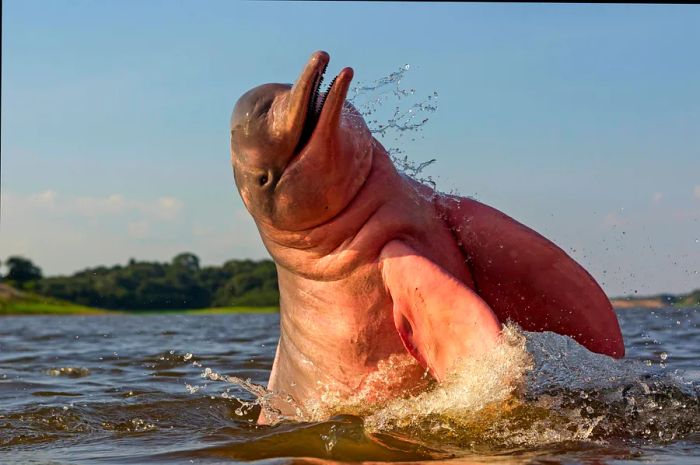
(262, 180)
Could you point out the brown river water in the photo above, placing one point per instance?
(144, 389)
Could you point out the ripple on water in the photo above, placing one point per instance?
(71, 372)
(167, 360)
(55, 394)
(574, 408)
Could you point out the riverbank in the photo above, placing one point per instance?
(638, 303)
(16, 302)
(691, 299)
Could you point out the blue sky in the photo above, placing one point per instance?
(582, 121)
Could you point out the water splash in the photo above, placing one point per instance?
(625, 398)
(377, 389)
(488, 383)
(271, 403)
(393, 112)
(534, 390)
(475, 385)
(569, 394)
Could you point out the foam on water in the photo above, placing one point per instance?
(476, 385)
(569, 394)
(533, 390)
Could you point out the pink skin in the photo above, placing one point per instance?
(372, 264)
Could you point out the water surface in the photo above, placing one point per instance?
(129, 389)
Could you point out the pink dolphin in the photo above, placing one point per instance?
(374, 265)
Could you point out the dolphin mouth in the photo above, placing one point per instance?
(316, 113)
(314, 106)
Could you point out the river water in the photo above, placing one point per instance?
(139, 389)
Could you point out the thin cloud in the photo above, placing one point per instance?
(166, 208)
(64, 233)
(46, 198)
(114, 204)
(139, 229)
(656, 198)
(696, 192)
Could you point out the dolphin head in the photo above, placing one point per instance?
(299, 156)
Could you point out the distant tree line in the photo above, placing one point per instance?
(182, 283)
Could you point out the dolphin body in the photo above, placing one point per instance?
(375, 267)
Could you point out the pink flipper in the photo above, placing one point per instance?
(528, 279)
(439, 319)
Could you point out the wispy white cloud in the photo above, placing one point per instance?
(138, 229)
(46, 198)
(656, 198)
(58, 229)
(64, 233)
(696, 192)
(166, 208)
(114, 204)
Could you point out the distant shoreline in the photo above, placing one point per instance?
(624, 303)
(691, 299)
(16, 302)
(52, 309)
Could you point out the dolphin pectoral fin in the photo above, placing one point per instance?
(439, 319)
(526, 278)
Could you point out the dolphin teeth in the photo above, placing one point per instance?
(325, 95)
(314, 95)
(313, 109)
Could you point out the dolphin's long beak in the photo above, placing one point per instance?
(307, 109)
(303, 96)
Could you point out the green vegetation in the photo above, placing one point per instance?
(690, 299)
(152, 286)
(13, 302)
(181, 285)
(21, 271)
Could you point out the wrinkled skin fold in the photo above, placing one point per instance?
(374, 266)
